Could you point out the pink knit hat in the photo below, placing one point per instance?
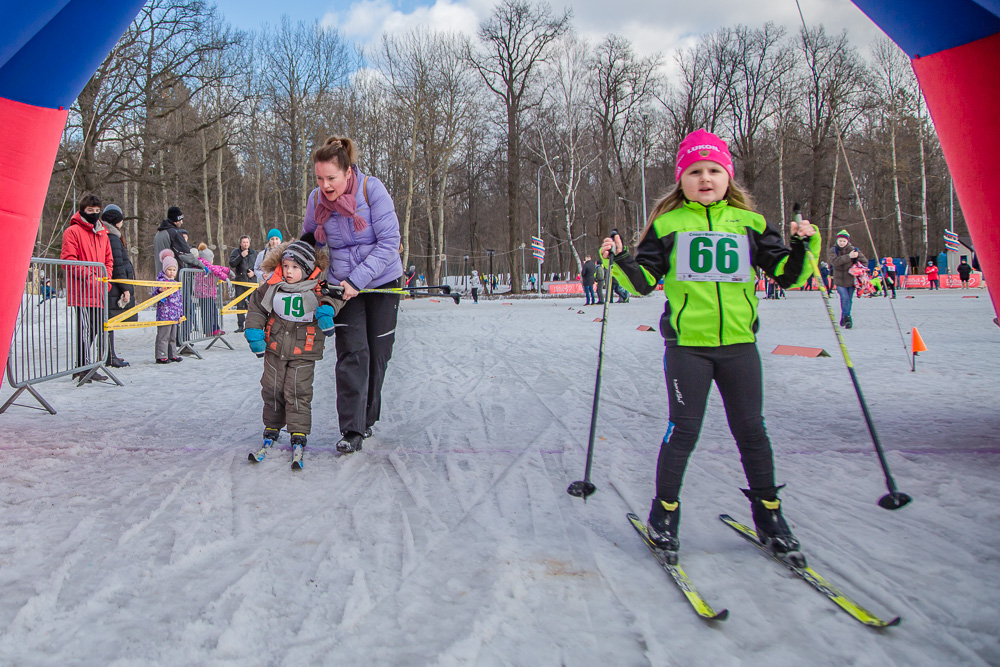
(167, 259)
(703, 145)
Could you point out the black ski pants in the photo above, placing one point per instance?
(365, 333)
(737, 373)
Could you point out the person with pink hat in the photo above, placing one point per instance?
(705, 240)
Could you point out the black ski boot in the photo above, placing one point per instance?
(271, 434)
(772, 530)
(664, 521)
(350, 442)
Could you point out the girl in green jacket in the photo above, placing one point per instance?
(705, 240)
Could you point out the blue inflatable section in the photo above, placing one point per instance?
(924, 27)
(22, 21)
(52, 48)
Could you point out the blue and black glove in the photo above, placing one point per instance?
(324, 316)
(256, 339)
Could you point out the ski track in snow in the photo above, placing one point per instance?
(135, 532)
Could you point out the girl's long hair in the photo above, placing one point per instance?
(735, 195)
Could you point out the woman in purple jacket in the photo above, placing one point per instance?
(355, 217)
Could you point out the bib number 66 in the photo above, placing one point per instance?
(722, 255)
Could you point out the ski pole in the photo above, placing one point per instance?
(585, 487)
(894, 499)
(446, 289)
(338, 290)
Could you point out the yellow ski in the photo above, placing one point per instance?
(701, 607)
(814, 579)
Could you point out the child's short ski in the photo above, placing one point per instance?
(814, 579)
(258, 456)
(699, 604)
(297, 462)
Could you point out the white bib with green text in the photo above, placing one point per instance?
(291, 306)
(718, 257)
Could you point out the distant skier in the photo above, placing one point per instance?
(889, 278)
(474, 285)
(285, 317)
(843, 257)
(705, 240)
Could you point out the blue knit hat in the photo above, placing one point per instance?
(274, 232)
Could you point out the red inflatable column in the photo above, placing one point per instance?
(29, 139)
(962, 88)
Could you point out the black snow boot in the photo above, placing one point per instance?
(350, 442)
(662, 526)
(848, 322)
(772, 530)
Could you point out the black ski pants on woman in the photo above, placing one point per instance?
(365, 333)
(737, 373)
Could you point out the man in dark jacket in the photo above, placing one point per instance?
(842, 257)
(588, 276)
(241, 262)
(120, 297)
(168, 236)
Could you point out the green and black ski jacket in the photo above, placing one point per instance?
(710, 289)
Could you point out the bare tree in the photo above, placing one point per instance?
(304, 67)
(834, 82)
(516, 39)
(623, 86)
(566, 112)
(762, 61)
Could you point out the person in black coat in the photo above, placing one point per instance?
(964, 273)
(241, 261)
(120, 297)
(588, 276)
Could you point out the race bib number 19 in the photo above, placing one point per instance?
(717, 257)
(291, 307)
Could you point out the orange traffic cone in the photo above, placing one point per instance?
(916, 345)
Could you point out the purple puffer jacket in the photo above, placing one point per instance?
(170, 308)
(368, 258)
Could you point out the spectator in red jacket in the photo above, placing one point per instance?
(932, 275)
(86, 240)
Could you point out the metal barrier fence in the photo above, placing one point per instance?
(204, 298)
(60, 327)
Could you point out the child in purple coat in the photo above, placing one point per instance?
(169, 309)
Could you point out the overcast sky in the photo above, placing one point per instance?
(673, 24)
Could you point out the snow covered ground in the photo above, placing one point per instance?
(133, 531)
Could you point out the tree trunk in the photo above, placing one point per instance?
(513, 178)
(204, 189)
(923, 178)
(833, 196)
(411, 167)
(781, 182)
(222, 260)
(895, 183)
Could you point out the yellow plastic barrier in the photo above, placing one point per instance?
(228, 308)
(117, 322)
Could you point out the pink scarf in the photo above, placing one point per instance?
(346, 205)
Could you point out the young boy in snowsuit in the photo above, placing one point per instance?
(287, 322)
